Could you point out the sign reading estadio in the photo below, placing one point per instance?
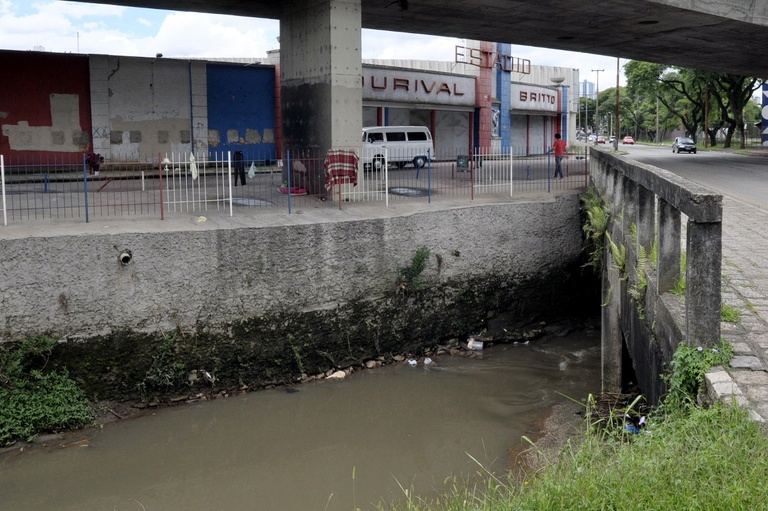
(531, 97)
(406, 86)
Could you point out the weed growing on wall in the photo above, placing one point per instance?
(619, 253)
(165, 372)
(409, 277)
(687, 369)
(638, 287)
(679, 288)
(594, 227)
(36, 400)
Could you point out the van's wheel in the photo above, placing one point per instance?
(377, 162)
(419, 161)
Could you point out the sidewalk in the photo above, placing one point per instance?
(745, 287)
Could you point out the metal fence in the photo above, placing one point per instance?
(37, 187)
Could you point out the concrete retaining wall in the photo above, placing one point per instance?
(330, 287)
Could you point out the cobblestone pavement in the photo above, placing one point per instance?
(745, 287)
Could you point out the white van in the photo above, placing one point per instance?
(403, 144)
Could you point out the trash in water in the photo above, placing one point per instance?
(473, 344)
(427, 361)
(412, 362)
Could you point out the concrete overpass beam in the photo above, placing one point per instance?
(321, 68)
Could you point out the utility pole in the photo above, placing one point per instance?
(618, 121)
(597, 100)
(586, 112)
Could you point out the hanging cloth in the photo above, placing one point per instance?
(193, 167)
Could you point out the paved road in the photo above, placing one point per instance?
(741, 177)
(743, 182)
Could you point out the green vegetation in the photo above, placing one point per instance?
(638, 287)
(729, 314)
(619, 253)
(688, 366)
(679, 288)
(166, 372)
(34, 398)
(409, 278)
(684, 457)
(595, 226)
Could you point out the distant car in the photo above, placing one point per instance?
(612, 140)
(601, 140)
(592, 138)
(628, 140)
(683, 144)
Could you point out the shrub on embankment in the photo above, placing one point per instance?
(35, 399)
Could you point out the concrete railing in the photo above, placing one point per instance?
(654, 201)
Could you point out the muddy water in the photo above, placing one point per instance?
(333, 445)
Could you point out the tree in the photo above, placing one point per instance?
(685, 92)
(733, 93)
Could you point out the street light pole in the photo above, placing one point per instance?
(597, 100)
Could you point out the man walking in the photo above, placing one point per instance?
(559, 149)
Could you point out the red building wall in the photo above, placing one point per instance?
(44, 104)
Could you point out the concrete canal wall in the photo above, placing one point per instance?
(153, 309)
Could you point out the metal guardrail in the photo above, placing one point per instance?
(41, 188)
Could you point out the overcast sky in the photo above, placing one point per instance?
(71, 27)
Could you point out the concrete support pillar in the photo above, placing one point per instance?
(321, 69)
(669, 246)
(704, 247)
(611, 339)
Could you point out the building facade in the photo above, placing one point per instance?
(137, 109)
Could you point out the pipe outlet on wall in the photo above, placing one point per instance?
(125, 257)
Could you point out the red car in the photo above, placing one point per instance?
(601, 140)
(628, 140)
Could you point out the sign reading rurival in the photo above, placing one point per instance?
(405, 86)
(530, 97)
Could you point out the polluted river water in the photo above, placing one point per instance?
(325, 445)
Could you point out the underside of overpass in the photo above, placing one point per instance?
(725, 36)
(320, 43)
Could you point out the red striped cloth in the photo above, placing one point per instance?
(340, 167)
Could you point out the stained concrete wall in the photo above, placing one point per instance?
(210, 273)
(143, 107)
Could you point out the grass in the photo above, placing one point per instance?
(685, 457)
(729, 314)
(703, 459)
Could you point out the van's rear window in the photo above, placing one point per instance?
(417, 135)
(396, 136)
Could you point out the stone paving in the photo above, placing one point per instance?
(744, 287)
